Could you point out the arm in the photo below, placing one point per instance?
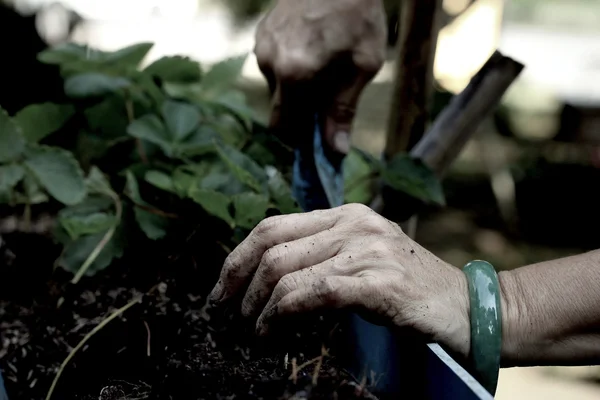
(351, 257)
(552, 312)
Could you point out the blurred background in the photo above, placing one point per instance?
(522, 190)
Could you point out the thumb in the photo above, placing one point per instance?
(341, 112)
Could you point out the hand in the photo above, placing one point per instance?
(318, 56)
(346, 257)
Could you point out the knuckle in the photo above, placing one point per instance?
(377, 249)
(376, 224)
(264, 54)
(286, 285)
(231, 266)
(356, 209)
(269, 262)
(328, 290)
(266, 226)
(296, 64)
(370, 63)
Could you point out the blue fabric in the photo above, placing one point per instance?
(319, 184)
(3, 395)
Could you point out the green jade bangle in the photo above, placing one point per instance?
(486, 322)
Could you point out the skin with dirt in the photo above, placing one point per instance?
(169, 346)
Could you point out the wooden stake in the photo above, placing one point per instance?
(459, 121)
(413, 87)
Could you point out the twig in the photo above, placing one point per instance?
(102, 244)
(149, 341)
(153, 210)
(414, 74)
(318, 360)
(87, 337)
(294, 375)
(460, 120)
(317, 370)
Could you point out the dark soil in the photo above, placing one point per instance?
(167, 347)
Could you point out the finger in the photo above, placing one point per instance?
(319, 293)
(345, 99)
(265, 52)
(341, 265)
(286, 258)
(244, 260)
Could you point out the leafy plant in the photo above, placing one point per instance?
(403, 174)
(141, 154)
(132, 147)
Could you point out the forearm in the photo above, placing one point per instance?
(552, 312)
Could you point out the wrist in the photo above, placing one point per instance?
(513, 308)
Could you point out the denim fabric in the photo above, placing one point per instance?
(319, 184)
(3, 395)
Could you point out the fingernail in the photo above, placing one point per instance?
(341, 142)
(215, 295)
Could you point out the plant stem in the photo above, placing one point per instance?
(102, 244)
(413, 86)
(86, 338)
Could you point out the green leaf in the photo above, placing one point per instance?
(76, 252)
(234, 102)
(154, 226)
(412, 177)
(12, 141)
(10, 176)
(40, 120)
(223, 75)
(129, 56)
(150, 128)
(57, 171)
(147, 87)
(33, 191)
(108, 128)
(200, 142)
(97, 182)
(360, 177)
(250, 209)
(81, 225)
(175, 69)
(90, 205)
(367, 158)
(92, 84)
(230, 129)
(184, 182)
(214, 203)
(160, 180)
(68, 52)
(243, 167)
(184, 91)
(217, 176)
(181, 118)
(281, 193)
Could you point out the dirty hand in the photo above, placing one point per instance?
(318, 56)
(346, 257)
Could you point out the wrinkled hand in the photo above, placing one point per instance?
(318, 56)
(346, 257)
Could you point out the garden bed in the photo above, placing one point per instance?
(166, 347)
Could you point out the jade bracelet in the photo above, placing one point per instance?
(486, 323)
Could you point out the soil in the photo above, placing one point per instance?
(169, 346)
